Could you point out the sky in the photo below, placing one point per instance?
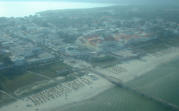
(21, 8)
(117, 1)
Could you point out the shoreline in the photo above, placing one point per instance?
(130, 70)
(133, 69)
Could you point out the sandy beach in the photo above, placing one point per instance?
(127, 71)
(83, 93)
(130, 70)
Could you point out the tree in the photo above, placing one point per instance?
(5, 59)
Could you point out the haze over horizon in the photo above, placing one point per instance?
(21, 8)
(125, 1)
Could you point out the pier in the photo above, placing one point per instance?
(117, 83)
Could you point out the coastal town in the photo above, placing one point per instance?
(55, 54)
